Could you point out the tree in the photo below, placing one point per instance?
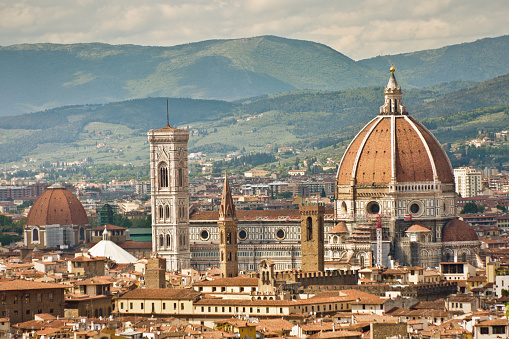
(471, 207)
(501, 208)
(284, 195)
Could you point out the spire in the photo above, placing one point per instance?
(167, 114)
(227, 208)
(393, 104)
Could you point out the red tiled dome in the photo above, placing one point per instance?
(394, 145)
(59, 206)
(458, 230)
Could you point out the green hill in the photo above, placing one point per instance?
(490, 93)
(476, 61)
(116, 132)
(40, 76)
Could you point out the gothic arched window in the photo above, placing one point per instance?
(161, 215)
(167, 210)
(35, 234)
(168, 240)
(228, 238)
(161, 240)
(163, 176)
(82, 234)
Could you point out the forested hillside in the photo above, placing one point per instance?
(480, 60)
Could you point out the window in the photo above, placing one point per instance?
(309, 228)
(121, 306)
(164, 306)
(27, 299)
(484, 330)
(174, 306)
(163, 176)
(141, 305)
(131, 306)
(498, 329)
(50, 310)
(182, 307)
(35, 234)
(39, 297)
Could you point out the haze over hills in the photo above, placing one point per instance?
(116, 132)
(40, 76)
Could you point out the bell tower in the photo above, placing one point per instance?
(227, 224)
(170, 196)
(311, 230)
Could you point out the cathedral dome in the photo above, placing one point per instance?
(458, 230)
(394, 147)
(59, 206)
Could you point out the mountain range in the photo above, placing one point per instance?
(36, 77)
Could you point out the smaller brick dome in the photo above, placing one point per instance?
(339, 228)
(57, 206)
(458, 230)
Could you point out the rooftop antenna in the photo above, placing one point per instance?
(167, 114)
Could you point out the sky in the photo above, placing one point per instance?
(359, 29)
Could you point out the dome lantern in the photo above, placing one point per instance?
(393, 104)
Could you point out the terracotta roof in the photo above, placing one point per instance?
(403, 311)
(335, 334)
(131, 244)
(237, 281)
(161, 293)
(251, 214)
(462, 298)
(109, 228)
(493, 322)
(14, 285)
(458, 230)
(96, 281)
(417, 228)
(59, 206)
(339, 228)
(167, 128)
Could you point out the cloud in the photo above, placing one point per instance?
(358, 29)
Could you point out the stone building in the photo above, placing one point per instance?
(21, 300)
(170, 196)
(57, 220)
(312, 236)
(397, 169)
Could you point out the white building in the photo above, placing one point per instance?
(170, 196)
(468, 181)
